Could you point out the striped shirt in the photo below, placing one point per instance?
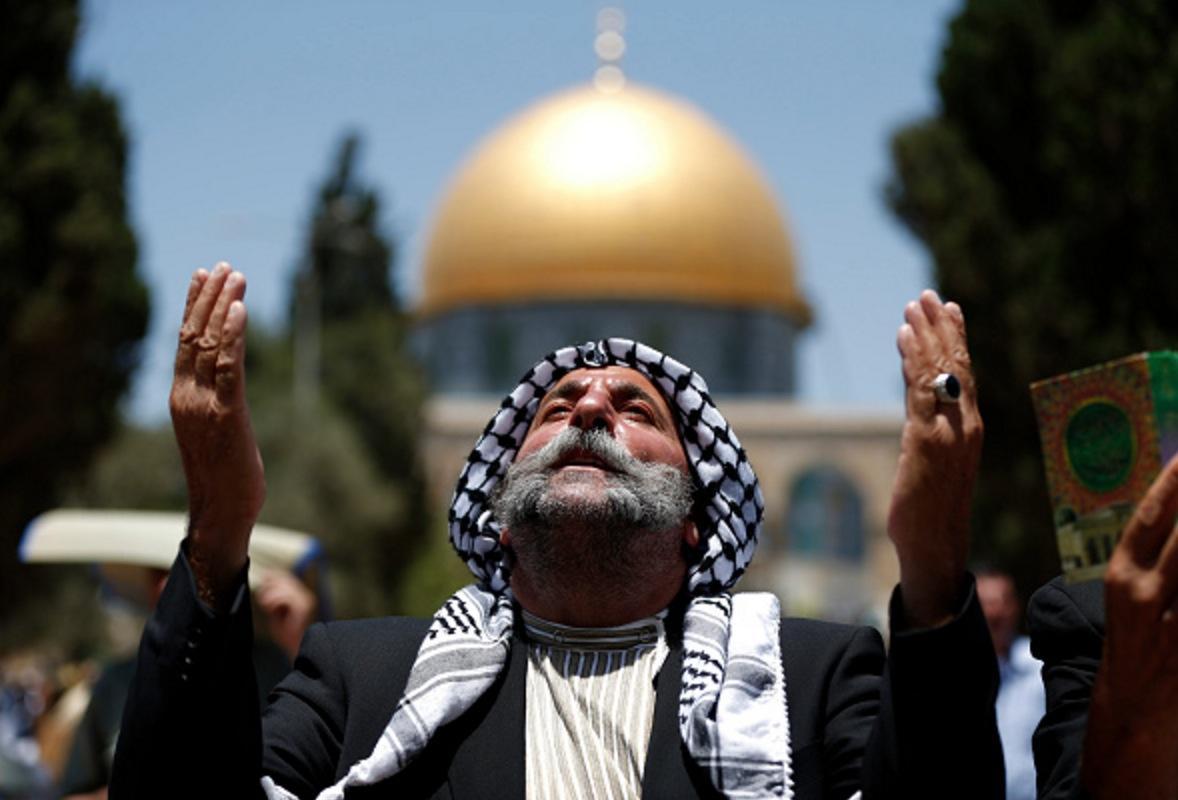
(590, 704)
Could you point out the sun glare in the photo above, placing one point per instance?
(602, 143)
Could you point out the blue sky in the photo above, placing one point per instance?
(234, 110)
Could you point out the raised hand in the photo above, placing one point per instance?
(940, 448)
(1131, 746)
(222, 465)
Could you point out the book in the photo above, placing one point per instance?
(1106, 432)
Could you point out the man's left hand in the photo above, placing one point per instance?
(940, 449)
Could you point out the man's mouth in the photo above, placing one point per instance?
(581, 458)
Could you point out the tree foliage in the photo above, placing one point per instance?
(351, 365)
(347, 257)
(72, 307)
(1046, 189)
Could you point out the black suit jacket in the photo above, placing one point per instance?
(917, 723)
(1067, 634)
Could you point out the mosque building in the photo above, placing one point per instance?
(616, 210)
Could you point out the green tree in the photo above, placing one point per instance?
(321, 478)
(350, 355)
(72, 307)
(349, 331)
(1045, 189)
(348, 260)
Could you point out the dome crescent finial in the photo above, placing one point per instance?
(610, 46)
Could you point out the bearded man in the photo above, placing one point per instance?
(605, 511)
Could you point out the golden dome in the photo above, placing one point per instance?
(623, 195)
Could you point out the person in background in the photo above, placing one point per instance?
(24, 690)
(1020, 700)
(285, 608)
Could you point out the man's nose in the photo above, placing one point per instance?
(593, 410)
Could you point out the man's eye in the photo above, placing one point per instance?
(639, 412)
(555, 411)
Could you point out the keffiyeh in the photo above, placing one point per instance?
(732, 707)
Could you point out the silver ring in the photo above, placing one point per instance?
(947, 388)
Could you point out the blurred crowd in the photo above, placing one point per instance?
(59, 718)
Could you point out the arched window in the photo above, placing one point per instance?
(498, 355)
(825, 516)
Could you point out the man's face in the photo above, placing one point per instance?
(999, 601)
(596, 508)
(618, 400)
(600, 487)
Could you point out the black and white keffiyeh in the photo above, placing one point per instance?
(732, 708)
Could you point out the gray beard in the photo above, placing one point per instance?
(563, 532)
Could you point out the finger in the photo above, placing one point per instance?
(925, 316)
(918, 394)
(951, 327)
(202, 306)
(193, 329)
(954, 321)
(1153, 520)
(934, 313)
(930, 303)
(185, 350)
(1168, 568)
(207, 348)
(947, 351)
(941, 335)
(914, 315)
(194, 286)
(924, 353)
(230, 367)
(234, 289)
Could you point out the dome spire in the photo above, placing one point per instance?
(610, 46)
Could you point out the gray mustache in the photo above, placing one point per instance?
(596, 442)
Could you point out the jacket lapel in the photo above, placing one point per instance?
(489, 762)
(666, 772)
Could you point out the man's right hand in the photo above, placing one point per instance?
(222, 465)
(1131, 746)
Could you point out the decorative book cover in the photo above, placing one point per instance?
(1106, 431)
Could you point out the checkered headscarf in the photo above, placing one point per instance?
(728, 497)
(733, 715)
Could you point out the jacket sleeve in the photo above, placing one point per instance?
(936, 735)
(191, 726)
(1068, 636)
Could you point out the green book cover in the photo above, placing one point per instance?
(1106, 431)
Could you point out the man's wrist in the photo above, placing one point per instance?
(931, 600)
(216, 562)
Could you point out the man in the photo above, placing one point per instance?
(1020, 689)
(285, 604)
(1110, 653)
(606, 511)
